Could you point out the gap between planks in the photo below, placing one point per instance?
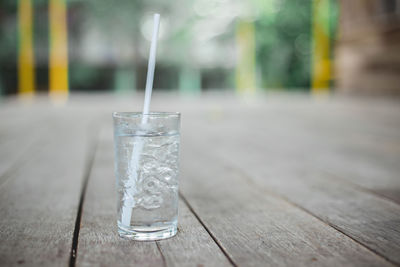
(207, 230)
(92, 148)
(164, 262)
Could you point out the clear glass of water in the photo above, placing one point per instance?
(146, 151)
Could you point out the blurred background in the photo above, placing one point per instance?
(60, 46)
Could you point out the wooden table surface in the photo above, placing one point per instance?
(276, 180)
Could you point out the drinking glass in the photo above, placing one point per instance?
(146, 148)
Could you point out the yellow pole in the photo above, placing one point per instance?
(26, 71)
(321, 62)
(245, 70)
(58, 65)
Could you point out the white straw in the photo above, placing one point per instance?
(150, 67)
(127, 209)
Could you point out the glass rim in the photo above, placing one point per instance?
(136, 114)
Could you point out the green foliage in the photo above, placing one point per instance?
(283, 41)
(198, 40)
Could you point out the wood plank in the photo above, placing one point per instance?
(365, 151)
(280, 160)
(366, 154)
(362, 142)
(99, 242)
(18, 135)
(192, 245)
(39, 204)
(256, 228)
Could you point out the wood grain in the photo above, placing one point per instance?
(192, 246)
(269, 181)
(256, 228)
(39, 204)
(363, 142)
(286, 161)
(19, 138)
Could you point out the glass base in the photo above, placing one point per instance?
(147, 233)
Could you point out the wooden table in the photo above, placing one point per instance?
(277, 180)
